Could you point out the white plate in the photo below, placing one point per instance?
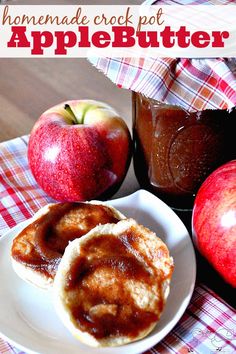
(27, 316)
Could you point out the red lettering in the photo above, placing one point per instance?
(123, 36)
(64, 40)
(101, 39)
(183, 37)
(84, 37)
(200, 39)
(18, 38)
(218, 38)
(41, 40)
(147, 39)
(167, 35)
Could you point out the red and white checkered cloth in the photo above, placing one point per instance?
(208, 325)
(193, 84)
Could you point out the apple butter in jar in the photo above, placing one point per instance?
(176, 150)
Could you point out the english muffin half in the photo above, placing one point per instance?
(37, 250)
(112, 284)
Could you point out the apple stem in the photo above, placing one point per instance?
(67, 107)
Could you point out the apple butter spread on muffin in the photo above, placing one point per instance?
(112, 284)
(37, 250)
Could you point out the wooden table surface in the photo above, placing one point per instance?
(29, 86)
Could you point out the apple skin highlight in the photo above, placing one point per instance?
(79, 150)
(214, 221)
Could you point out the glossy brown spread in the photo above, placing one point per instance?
(175, 150)
(42, 244)
(102, 281)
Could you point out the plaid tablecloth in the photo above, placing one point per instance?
(208, 325)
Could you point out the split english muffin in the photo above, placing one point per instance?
(37, 250)
(112, 284)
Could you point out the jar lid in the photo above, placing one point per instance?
(193, 84)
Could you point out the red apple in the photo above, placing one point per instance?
(214, 221)
(79, 150)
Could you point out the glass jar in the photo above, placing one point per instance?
(176, 150)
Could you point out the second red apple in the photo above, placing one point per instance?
(214, 221)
